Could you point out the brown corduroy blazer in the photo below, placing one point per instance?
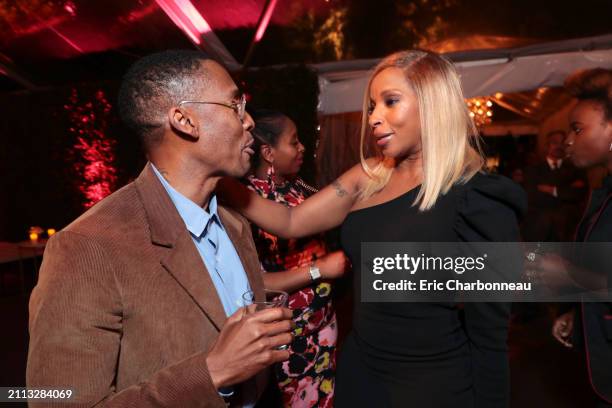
(124, 311)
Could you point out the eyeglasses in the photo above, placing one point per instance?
(238, 107)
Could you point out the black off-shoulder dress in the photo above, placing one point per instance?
(430, 354)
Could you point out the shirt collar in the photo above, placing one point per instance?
(195, 217)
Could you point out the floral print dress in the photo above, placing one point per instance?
(307, 378)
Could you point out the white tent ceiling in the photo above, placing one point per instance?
(483, 72)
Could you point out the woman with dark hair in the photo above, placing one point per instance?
(301, 266)
(589, 145)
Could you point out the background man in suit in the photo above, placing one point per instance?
(132, 304)
(556, 190)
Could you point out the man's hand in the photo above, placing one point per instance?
(332, 265)
(247, 344)
(563, 327)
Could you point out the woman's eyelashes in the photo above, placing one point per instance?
(388, 101)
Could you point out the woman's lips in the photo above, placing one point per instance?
(383, 139)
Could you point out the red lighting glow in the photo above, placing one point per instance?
(70, 8)
(265, 21)
(193, 15)
(186, 17)
(92, 155)
(99, 177)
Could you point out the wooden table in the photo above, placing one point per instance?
(20, 251)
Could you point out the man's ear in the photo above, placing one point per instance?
(183, 122)
(267, 153)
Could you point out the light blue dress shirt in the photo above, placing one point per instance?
(215, 247)
(221, 260)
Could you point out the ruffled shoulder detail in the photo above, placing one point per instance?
(489, 209)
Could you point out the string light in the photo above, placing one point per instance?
(480, 109)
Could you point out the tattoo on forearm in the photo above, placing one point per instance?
(340, 191)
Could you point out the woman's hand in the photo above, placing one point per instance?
(556, 273)
(332, 265)
(553, 271)
(563, 327)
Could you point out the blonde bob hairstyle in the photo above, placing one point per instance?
(450, 143)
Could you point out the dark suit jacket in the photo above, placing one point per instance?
(593, 323)
(124, 311)
(552, 218)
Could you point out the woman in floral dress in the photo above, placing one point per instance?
(301, 267)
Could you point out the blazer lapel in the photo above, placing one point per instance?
(245, 247)
(177, 252)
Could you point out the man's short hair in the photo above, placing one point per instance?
(153, 85)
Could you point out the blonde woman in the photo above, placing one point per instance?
(425, 186)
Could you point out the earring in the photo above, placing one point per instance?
(610, 147)
(270, 176)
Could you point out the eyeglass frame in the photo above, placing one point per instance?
(238, 107)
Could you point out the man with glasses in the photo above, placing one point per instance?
(139, 300)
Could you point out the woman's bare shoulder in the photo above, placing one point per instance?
(354, 179)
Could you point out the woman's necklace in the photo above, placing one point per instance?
(301, 183)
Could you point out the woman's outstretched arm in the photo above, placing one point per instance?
(320, 212)
(331, 266)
